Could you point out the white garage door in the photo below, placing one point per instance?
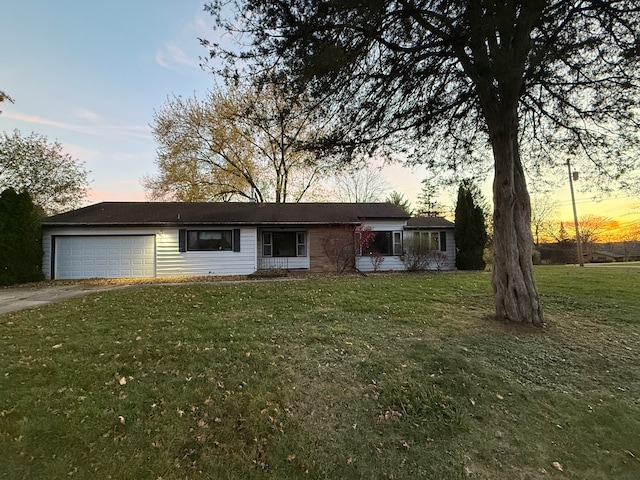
(105, 257)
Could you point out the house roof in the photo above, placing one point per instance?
(223, 213)
(429, 222)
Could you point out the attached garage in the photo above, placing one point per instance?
(104, 256)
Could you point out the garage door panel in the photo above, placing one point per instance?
(104, 257)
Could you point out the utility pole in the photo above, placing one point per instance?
(575, 214)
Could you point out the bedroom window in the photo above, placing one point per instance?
(284, 244)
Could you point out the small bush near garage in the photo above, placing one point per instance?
(20, 239)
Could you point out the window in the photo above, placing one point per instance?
(301, 244)
(209, 240)
(267, 244)
(284, 244)
(383, 243)
(430, 240)
(397, 243)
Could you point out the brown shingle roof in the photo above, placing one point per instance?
(429, 222)
(224, 213)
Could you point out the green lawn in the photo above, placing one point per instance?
(389, 376)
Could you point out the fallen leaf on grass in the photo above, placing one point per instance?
(291, 457)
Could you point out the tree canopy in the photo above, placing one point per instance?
(360, 184)
(529, 81)
(55, 181)
(240, 143)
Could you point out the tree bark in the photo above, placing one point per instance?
(515, 294)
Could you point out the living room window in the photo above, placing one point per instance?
(220, 240)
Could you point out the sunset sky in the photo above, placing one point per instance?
(90, 75)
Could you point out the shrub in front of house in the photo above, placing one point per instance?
(418, 256)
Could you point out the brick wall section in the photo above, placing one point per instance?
(329, 246)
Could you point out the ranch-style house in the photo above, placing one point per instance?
(165, 239)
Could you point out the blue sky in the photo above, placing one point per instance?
(90, 74)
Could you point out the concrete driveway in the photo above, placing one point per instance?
(20, 297)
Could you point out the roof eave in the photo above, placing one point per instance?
(186, 224)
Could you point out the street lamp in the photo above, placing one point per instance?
(573, 177)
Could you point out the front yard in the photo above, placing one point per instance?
(389, 376)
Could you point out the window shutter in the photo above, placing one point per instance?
(443, 241)
(236, 239)
(182, 240)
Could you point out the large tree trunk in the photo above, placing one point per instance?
(514, 287)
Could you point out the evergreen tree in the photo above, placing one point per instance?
(428, 204)
(20, 239)
(400, 201)
(470, 231)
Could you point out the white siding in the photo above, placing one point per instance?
(451, 250)
(390, 262)
(169, 260)
(284, 263)
(381, 225)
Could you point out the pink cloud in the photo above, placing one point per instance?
(138, 131)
